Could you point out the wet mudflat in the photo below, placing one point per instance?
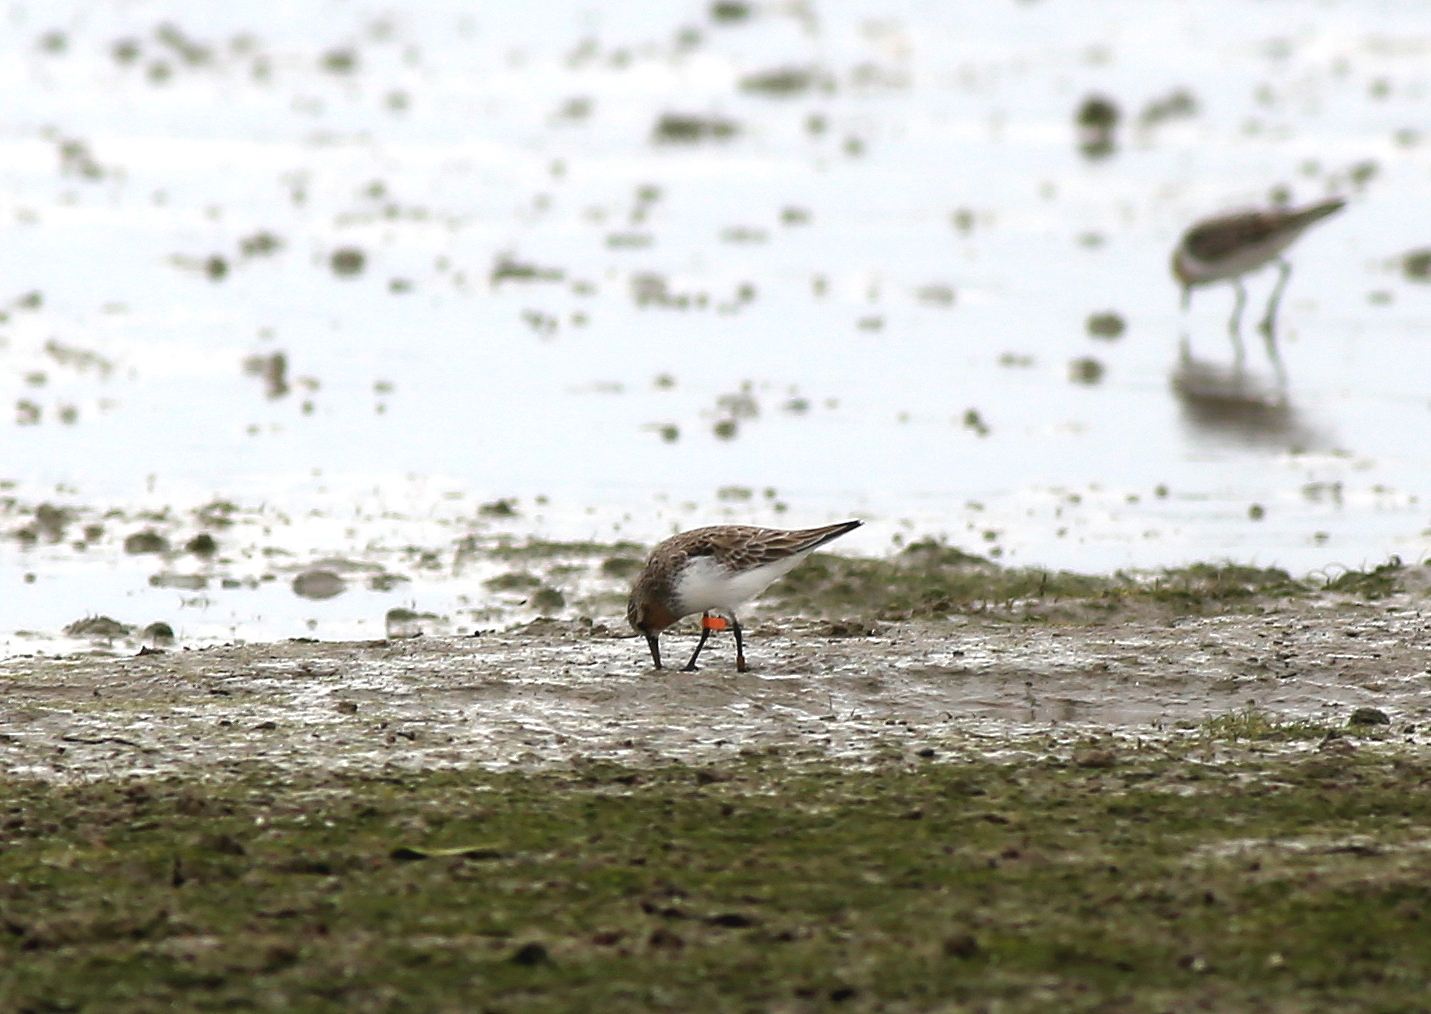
(553, 692)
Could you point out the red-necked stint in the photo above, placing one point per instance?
(713, 570)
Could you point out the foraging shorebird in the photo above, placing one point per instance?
(713, 570)
(1230, 246)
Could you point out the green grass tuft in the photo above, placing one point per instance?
(1376, 583)
(1253, 724)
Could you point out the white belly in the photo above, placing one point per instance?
(706, 585)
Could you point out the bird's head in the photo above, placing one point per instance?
(646, 614)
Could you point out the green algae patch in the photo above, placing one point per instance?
(929, 579)
(1156, 878)
(1252, 723)
(546, 549)
(1377, 583)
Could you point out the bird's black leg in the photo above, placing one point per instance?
(1269, 321)
(655, 645)
(740, 665)
(1269, 338)
(705, 632)
(1234, 326)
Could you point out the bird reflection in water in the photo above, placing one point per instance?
(1231, 404)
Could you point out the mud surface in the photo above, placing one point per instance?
(554, 692)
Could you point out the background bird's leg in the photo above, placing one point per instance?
(1234, 325)
(1269, 321)
(1184, 342)
(655, 644)
(740, 665)
(705, 632)
(1269, 338)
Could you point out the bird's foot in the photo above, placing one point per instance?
(740, 665)
(690, 667)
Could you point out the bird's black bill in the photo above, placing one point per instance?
(655, 645)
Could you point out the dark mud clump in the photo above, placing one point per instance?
(260, 244)
(730, 12)
(502, 508)
(621, 567)
(509, 269)
(202, 544)
(48, 525)
(1097, 124)
(347, 261)
(785, 82)
(517, 580)
(318, 584)
(691, 128)
(1108, 324)
(1417, 265)
(147, 541)
(159, 633)
(1178, 104)
(272, 369)
(1086, 370)
(401, 622)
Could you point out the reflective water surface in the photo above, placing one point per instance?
(378, 281)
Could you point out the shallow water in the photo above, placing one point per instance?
(885, 278)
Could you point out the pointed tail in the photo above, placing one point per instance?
(1304, 217)
(817, 537)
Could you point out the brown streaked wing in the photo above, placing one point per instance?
(757, 546)
(719, 541)
(1219, 238)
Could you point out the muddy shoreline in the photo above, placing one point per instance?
(553, 692)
